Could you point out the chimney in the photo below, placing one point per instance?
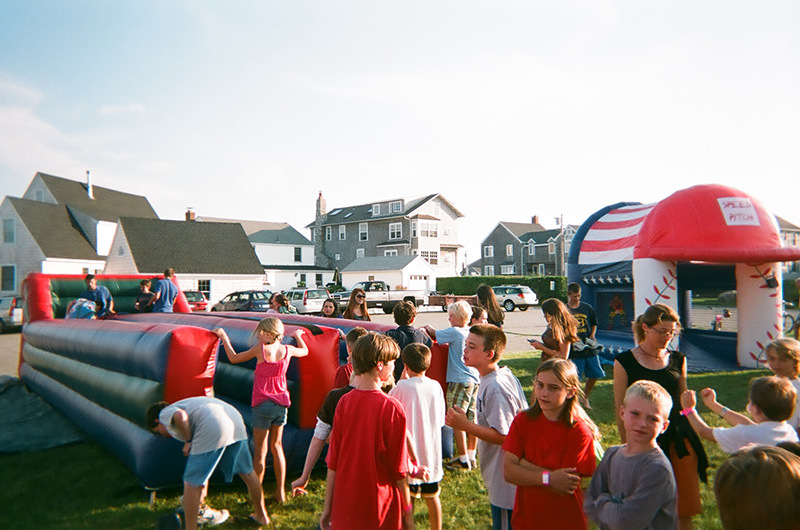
(321, 206)
(89, 189)
(190, 215)
(535, 219)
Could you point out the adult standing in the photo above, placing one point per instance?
(584, 352)
(357, 306)
(652, 361)
(488, 300)
(100, 295)
(165, 293)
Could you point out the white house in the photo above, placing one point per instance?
(399, 272)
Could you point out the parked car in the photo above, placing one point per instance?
(307, 300)
(10, 313)
(380, 295)
(244, 301)
(197, 300)
(511, 296)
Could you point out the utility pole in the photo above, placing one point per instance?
(561, 269)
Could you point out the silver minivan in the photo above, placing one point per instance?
(307, 300)
(10, 313)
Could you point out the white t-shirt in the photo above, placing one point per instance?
(732, 439)
(214, 424)
(794, 421)
(423, 401)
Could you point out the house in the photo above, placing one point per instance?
(525, 249)
(286, 255)
(215, 258)
(424, 227)
(61, 226)
(790, 235)
(398, 272)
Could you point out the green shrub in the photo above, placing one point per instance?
(541, 285)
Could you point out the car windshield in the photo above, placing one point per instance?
(261, 295)
(193, 296)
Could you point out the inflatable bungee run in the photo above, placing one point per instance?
(104, 374)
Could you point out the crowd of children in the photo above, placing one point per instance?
(384, 430)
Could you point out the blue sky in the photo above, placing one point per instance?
(512, 108)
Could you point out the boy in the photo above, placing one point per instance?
(462, 382)
(343, 373)
(634, 486)
(100, 295)
(142, 304)
(584, 353)
(772, 402)
(367, 457)
(500, 398)
(404, 314)
(165, 294)
(423, 402)
(213, 434)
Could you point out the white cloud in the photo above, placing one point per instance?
(18, 93)
(131, 108)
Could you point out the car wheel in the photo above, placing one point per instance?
(213, 309)
(2, 326)
(388, 309)
(523, 308)
(509, 306)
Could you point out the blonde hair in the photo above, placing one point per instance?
(461, 310)
(572, 412)
(651, 392)
(787, 348)
(272, 326)
(652, 316)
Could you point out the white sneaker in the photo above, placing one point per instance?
(211, 517)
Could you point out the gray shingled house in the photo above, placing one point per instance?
(525, 249)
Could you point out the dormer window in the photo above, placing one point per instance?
(396, 206)
(376, 209)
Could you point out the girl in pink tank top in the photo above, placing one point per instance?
(270, 393)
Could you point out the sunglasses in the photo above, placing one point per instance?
(361, 296)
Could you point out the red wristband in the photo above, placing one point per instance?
(687, 411)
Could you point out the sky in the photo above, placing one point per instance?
(509, 109)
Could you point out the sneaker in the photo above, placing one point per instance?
(457, 465)
(211, 517)
(473, 464)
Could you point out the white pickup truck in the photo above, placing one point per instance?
(379, 295)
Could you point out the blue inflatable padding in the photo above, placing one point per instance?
(157, 461)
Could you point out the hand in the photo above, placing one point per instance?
(423, 473)
(299, 333)
(688, 399)
(408, 520)
(219, 332)
(187, 447)
(325, 520)
(455, 418)
(565, 480)
(709, 396)
(536, 344)
(299, 487)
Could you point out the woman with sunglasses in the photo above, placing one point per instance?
(357, 306)
(651, 360)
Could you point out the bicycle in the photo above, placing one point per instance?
(790, 323)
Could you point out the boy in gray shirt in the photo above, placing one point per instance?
(634, 488)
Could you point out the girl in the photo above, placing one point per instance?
(652, 361)
(479, 316)
(549, 447)
(357, 306)
(282, 305)
(330, 309)
(488, 300)
(783, 358)
(561, 332)
(270, 393)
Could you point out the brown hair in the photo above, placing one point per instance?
(371, 349)
(354, 334)
(404, 313)
(488, 300)
(573, 288)
(493, 339)
(564, 326)
(153, 412)
(417, 357)
(775, 396)
(352, 303)
(652, 316)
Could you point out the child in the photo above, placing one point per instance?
(462, 382)
(500, 398)
(345, 371)
(772, 401)
(759, 488)
(585, 351)
(213, 434)
(479, 316)
(561, 332)
(783, 358)
(270, 393)
(549, 447)
(423, 402)
(143, 302)
(634, 486)
(404, 314)
(367, 457)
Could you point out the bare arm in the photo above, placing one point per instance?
(301, 350)
(520, 472)
(180, 420)
(620, 386)
(405, 499)
(325, 518)
(689, 401)
(457, 419)
(709, 397)
(234, 357)
(562, 352)
(592, 332)
(314, 450)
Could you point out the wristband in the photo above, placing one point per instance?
(687, 411)
(408, 509)
(545, 478)
(723, 411)
(413, 469)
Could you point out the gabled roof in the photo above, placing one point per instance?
(250, 227)
(783, 224)
(286, 235)
(363, 212)
(380, 263)
(542, 236)
(107, 205)
(54, 230)
(522, 231)
(190, 247)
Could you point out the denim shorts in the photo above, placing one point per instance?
(234, 459)
(591, 366)
(268, 413)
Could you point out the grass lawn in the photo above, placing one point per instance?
(82, 486)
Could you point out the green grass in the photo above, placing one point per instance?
(82, 486)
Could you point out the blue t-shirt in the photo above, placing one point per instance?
(101, 297)
(168, 292)
(457, 371)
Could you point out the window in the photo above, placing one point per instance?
(488, 251)
(298, 253)
(395, 230)
(328, 233)
(390, 252)
(363, 234)
(8, 231)
(506, 269)
(376, 209)
(531, 249)
(488, 270)
(8, 280)
(318, 279)
(337, 257)
(431, 256)
(120, 251)
(396, 206)
(551, 247)
(204, 286)
(342, 232)
(428, 229)
(359, 253)
(302, 278)
(541, 269)
(509, 250)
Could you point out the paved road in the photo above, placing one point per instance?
(518, 326)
